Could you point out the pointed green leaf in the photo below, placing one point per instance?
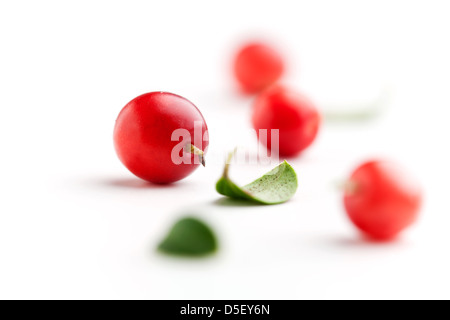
(189, 237)
(276, 186)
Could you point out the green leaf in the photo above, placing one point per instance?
(189, 237)
(276, 186)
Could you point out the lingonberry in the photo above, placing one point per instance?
(257, 66)
(295, 116)
(160, 137)
(381, 199)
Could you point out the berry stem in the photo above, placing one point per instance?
(194, 150)
(349, 187)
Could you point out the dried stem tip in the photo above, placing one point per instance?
(194, 150)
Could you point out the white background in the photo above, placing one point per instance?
(74, 223)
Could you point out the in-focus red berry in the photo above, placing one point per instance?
(382, 200)
(154, 129)
(257, 66)
(296, 117)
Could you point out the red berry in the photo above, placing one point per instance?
(297, 119)
(144, 141)
(382, 200)
(257, 66)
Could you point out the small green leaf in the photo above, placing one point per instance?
(276, 186)
(189, 237)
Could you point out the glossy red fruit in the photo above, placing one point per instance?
(382, 200)
(257, 66)
(147, 142)
(296, 117)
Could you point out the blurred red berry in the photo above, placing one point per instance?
(382, 200)
(296, 117)
(257, 66)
